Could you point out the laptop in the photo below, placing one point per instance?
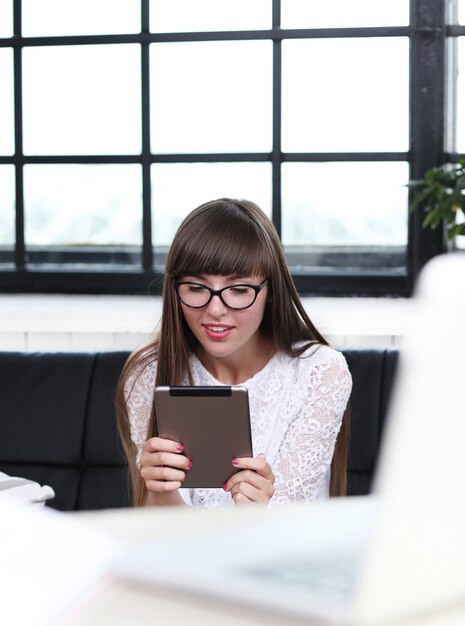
(396, 552)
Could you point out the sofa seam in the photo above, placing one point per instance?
(82, 464)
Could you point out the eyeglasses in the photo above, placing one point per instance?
(237, 297)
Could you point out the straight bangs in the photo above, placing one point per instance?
(226, 245)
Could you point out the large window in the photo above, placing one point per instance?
(117, 117)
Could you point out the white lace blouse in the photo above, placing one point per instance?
(296, 409)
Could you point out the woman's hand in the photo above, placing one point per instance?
(254, 484)
(163, 469)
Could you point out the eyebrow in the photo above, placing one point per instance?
(228, 277)
(237, 276)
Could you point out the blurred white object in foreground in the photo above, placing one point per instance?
(50, 563)
(24, 489)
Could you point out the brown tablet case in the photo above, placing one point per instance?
(212, 423)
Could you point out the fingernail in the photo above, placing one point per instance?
(235, 461)
(180, 447)
(189, 465)
(225, 487)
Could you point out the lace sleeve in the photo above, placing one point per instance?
(308, 445)
(139, 398)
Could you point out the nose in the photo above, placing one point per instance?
(215, 307)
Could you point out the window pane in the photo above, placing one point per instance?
(343, 14)
(206, 15)
(345, 95)
(83, 205)
(82, 99)
(460, 242)
(344, 204)
(460, 139)
(461, 96)
(179, 188)
(7, 205)
(80, 17)
(6, 18)
(461, 11)
(7, 137)
(211, 96)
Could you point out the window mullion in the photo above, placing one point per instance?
(276, 156)
(427, 117)
(20, 251)
(147, 249)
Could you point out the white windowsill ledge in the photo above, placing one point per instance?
(139, 314)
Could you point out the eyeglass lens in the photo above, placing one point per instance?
(236, 297)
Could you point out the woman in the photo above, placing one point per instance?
(231, 315)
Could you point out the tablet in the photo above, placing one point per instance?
(213, 425)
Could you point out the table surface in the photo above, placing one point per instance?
(120, 603)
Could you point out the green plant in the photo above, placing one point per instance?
(442, 190)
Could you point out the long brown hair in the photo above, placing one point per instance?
(223, 237)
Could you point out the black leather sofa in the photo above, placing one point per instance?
(57, 422)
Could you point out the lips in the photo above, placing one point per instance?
(217, 331)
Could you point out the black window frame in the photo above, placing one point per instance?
(429, 36)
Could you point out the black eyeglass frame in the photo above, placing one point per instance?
(219, 292)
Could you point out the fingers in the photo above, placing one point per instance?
(244, 493)
(241, 499)
(162, 478)
(255, 483)
(257, 464)
(155, 444)
(159, 452)
(162, 466)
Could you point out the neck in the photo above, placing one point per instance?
(240, 366)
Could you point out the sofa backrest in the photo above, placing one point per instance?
(57, 422)
(373, 373)
(57, 426)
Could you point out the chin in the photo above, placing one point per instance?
(218, 351)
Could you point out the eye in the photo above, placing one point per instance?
(240, 290)
(194, 288)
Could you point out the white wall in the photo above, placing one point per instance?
(80, 323)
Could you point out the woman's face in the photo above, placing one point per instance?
(221, 331)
